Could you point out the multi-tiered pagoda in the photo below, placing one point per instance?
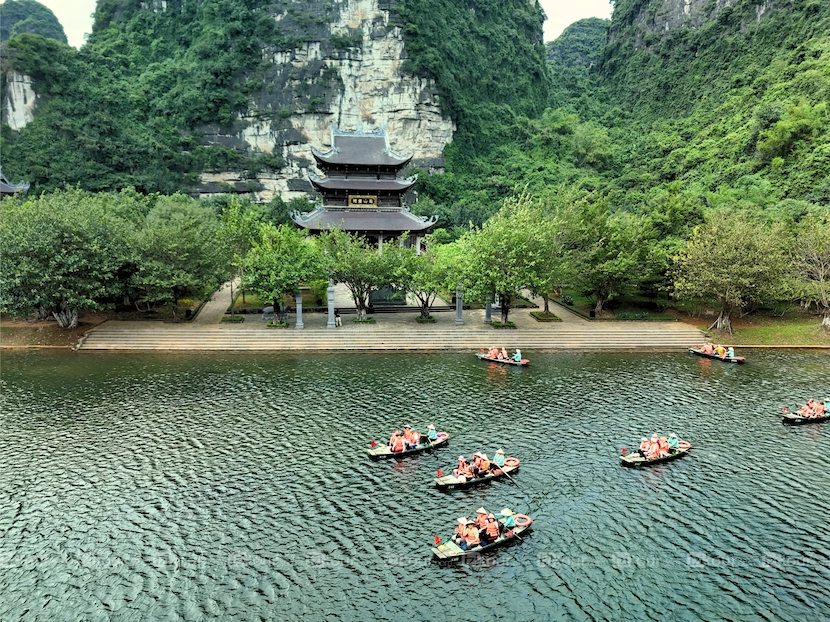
(362, 192)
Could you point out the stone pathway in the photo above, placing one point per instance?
(212, 311)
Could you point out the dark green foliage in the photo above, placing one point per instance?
(127, 109)
(28, 16)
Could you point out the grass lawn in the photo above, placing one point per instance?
(767, 331)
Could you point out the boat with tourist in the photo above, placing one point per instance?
(408, 442)
(494, 355)
(465, 477)
(658, 449)
(486, 533)
(814, 411)
(709, 351)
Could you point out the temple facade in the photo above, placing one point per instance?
(362, 190)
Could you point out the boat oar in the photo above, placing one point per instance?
(508, 476)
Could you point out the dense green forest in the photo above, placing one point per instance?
(638, 142)
(19, 16)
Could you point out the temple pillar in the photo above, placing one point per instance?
(488, 312)
(417, 244)
(298, 299)
(330, 296)
(380, 242)
(459, 318)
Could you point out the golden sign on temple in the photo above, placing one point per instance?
(357, 200)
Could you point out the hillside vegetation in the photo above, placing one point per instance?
(29, 16)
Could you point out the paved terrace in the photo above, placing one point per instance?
(393, 331)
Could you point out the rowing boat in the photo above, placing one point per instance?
(796, 419)
(636, 460)
(448, 482)
(383, 451)
(522, 363)
(725, 359)
(451, 551)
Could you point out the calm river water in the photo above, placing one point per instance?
(236, 487)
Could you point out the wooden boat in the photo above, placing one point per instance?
(796, 419)
(633, 459)
(522, 363)
(448, 482)
(451, 551)
(726, 359)
(383, 451)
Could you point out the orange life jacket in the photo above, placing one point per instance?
(414, 437)
(397, 444)
(492, 528)
(471, 535)
(644, 445)
(481, 521)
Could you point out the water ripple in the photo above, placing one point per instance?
(238, 487)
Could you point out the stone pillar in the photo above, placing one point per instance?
(380, 242)
(330, 295)
(459, 318)
(417, 244)
(298, 299)
(488, 312)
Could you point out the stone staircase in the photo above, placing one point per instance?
(587, 336)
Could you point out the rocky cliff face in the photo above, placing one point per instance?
(340, 63)
(19, 100)
(660, 17)
(348, 73)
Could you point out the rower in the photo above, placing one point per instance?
(507, 518)
(730, 352)
(673, 442)
(431, 433)
(517, 356)
(481, 518)
(498, 459)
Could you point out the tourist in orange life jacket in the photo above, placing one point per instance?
(407, 436)
(490, 532)
(392, 438)
(644, 445)
(481, 518)
(663, 446)
(463, 468)
(471, 537)
(503, 354)
(654, 447)
(414, 437)
(458, 534)
(398, 444)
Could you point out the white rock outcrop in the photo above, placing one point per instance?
(375, 93)
(19, 100)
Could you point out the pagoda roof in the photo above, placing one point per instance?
(6, 187)
(362, 219)
(367, 185)
(360, 149)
